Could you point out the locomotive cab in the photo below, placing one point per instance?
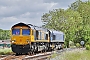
(20, 38)
(57, 39)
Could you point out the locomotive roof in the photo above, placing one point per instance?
(37, 27)
(20, 24)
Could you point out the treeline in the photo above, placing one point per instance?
(4, 34)
(74, 21)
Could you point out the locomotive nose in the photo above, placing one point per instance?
(20, 40)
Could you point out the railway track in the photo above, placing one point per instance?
(40, 56)
(13, 58)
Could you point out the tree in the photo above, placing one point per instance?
(4, 34)
(74, 21)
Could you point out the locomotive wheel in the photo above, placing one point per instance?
(17, 54)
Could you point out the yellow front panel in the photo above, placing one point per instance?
(21, 40)
(32, 38)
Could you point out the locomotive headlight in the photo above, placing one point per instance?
(13, 41)
(28, 41)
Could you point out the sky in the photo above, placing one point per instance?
(27, 11)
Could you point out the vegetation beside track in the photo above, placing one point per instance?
(6, 51)
(77, 54)
(4, 34)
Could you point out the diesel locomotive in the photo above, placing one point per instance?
(27, 38)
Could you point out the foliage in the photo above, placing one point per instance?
(78, 45)
(5, 51)
(87, 47)
(88, 43)
(4, 34)
(71, 44)
(74, 21)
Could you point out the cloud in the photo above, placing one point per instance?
(28, 11)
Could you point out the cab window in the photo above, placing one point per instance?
(15, 31)
(54, 37)
(25, 32)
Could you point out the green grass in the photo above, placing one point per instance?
(73, 55)
(76, 55)
(5, 51)
(54, 55)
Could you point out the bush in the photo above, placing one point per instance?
(87, 47)
(78, 45)
(71, 44)
(5, 51)
(88, 43)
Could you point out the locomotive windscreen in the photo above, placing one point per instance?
(15, 31)
(25, 32)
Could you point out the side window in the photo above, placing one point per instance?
(63, 37)
(36, 34)
(54, 37)
(46, 37)
(42, 35)
(39, 35)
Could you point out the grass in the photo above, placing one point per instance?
(5, 51)
(54, 55)
(77, 55)
(74, 55)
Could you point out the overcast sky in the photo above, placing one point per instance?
(28, 11)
